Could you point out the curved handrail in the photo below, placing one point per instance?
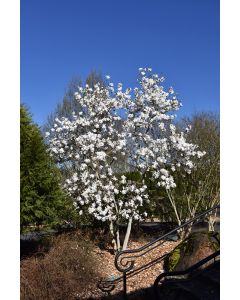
(184, 272)
(122, 263)
(108, 285)
(190, 269)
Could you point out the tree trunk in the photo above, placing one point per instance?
(211, 223)
(118, 240)
(113, 236)
(174, 207)
(126, 239)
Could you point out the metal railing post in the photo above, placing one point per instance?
(124, 285)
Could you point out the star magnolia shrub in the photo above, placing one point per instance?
(91, 141)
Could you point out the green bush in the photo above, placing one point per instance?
(42, 199)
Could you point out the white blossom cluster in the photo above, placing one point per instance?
(131, 200)
(154, 143)
(90, 142)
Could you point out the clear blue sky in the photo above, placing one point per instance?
(61, 39)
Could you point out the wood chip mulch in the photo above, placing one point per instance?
(145, 278)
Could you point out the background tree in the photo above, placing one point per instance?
(42, 199)
(200, 189)
(68, 105)
(95, 77)
(69, 102)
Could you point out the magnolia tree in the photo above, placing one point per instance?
(91, 142)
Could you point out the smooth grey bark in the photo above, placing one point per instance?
(126, 239)
(115, 247)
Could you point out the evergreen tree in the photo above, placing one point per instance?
(42, 200)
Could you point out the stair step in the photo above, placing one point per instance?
(202, 290)
(211, 274)
(202, 285)
(174, 292)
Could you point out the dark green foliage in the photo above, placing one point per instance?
(42, 200)
(134, 176)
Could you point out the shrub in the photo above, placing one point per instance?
(42, 199)
(67, 269)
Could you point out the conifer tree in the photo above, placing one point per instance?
(42, 200)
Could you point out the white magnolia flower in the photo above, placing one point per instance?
(94, 140)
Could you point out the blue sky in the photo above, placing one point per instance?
(61, 39)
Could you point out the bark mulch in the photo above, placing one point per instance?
(145, 278)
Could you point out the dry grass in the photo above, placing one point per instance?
(66, 271)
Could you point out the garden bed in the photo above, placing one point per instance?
(71, 265)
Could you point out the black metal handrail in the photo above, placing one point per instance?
(129, 264)
(189, 270)
(108, 285)
(125, 263)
